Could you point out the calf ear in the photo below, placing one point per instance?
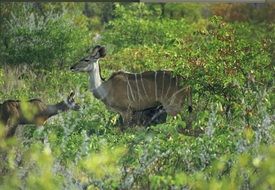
(71, 97)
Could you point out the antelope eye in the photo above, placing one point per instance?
(85, 59)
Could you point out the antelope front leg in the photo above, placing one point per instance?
(127, 118)
(11, 131)
(189, 120)
(11, 127)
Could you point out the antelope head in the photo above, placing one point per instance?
(70, 102)
(88, 63)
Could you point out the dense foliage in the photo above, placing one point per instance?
(55, 38)
(230, 66)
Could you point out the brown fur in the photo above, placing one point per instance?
(34, 111)
(131, 93)
(143, 98)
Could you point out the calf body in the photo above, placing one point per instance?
(34, 111)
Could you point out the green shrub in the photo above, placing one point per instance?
(229, 66)
(134, 27)
(45, 41)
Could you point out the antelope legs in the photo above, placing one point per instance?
(126, 118)
(147, 117)
(11, 130)
(11, 126)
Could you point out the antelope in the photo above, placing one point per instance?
(34, 111)
(147, 117)
(126, 93)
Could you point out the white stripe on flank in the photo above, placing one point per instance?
(128, 83)
(168, 87)
(173, 97)
(137, 88)
(162, 85)
(128, 92)
(156, 89)
(178, 91)
(141, 78)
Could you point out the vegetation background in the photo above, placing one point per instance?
(225, 51)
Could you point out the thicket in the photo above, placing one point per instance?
(230, 66)
(45, 40)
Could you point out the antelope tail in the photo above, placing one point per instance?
(190, 108)
(189, 96)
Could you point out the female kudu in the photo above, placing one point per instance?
(128, 93)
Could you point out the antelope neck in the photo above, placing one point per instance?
(56, 108)
(95, 82)
(95, 78)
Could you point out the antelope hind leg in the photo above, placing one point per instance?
(151, 116)
(126, 119)
(136, 119)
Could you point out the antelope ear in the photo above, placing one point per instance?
(71, 96)
(102, 51)
(98, 52)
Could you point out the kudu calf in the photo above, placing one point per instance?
(147, 117)
(34, 111)
(127, 93)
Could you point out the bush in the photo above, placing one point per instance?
(138, 26)
(52, 39)
(229, 66)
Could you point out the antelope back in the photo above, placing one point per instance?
(150, 85)
(36, 106)
(21, 111)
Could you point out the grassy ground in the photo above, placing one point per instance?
(75, 150)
